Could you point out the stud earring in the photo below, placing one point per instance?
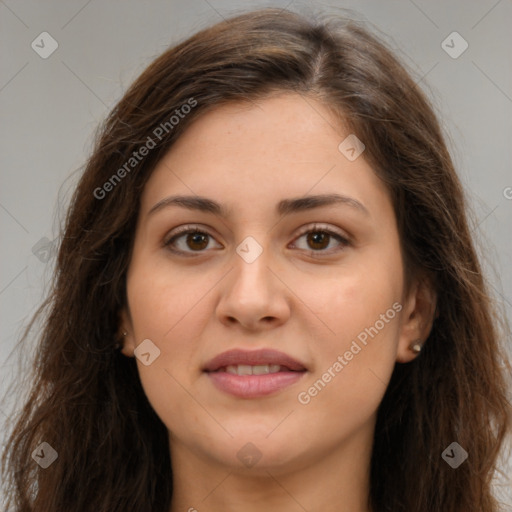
(118, 344)
(416, 346)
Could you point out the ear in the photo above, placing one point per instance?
(126, 333)
(417, 317)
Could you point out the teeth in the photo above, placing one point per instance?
(259, 369)
(244, 369)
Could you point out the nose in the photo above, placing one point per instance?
(254, 295)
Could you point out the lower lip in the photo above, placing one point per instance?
(254, 386)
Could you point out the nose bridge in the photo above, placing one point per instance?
(252, 261)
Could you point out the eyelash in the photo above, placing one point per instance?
(185, 230)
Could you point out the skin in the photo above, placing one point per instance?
(305, 298)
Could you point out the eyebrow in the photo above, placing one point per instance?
(284, 207)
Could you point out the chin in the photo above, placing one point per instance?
(254, 450)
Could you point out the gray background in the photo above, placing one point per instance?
(51, 107)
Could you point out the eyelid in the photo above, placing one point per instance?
(317, 226)
(185, 229)
(344, 239)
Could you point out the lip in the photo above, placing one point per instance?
(253, 386)
(253, 357)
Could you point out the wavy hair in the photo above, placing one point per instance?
(86, 399)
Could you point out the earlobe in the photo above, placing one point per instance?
(127, 345)
(418, 317)
(126, 335)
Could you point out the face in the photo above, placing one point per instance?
(316, 285)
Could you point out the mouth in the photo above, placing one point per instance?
(253, 374)
(257, 369)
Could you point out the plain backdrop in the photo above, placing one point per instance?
(51, 106)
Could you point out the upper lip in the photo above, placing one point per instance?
(252, 358)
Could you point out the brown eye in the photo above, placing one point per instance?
(189, 240)
(197, 241)
(318, 239)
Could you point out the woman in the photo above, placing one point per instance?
(267, 296)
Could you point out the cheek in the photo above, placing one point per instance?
(351, 300)
(163, 302)
(357, 318)
(168, 310)
(354, 364)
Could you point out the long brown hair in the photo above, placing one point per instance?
(87, 401)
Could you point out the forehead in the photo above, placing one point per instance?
(283, 126)
(251, 153)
